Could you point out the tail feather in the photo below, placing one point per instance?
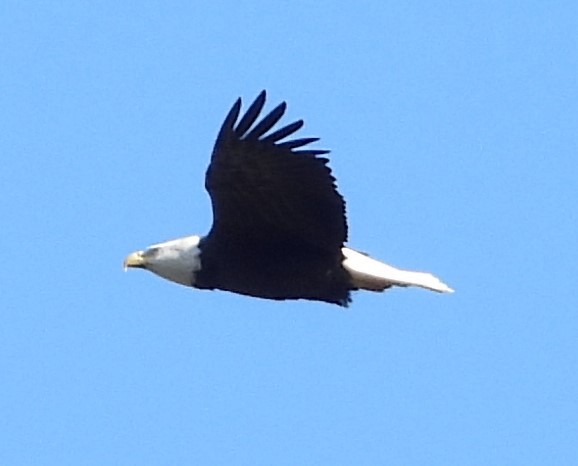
(370, 274)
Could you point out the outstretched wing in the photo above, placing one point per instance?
(262, 187)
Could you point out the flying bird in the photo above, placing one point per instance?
(279, 225)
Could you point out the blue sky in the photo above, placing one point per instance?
(453, 134)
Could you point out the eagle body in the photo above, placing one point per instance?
(274, 270)
(279, 225)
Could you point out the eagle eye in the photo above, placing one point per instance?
(151, 252)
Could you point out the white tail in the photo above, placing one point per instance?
(370, 274)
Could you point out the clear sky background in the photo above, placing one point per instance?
(453, 128)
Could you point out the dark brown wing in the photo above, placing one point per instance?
(265, 189)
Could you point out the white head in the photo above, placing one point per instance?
(177, 260)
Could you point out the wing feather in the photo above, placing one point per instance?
(267, 123)
(252, 114)
(283, 132)
(297, 143)
(265, 190)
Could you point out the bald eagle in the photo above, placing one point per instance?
(279, 225)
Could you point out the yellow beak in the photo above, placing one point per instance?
(135, 259)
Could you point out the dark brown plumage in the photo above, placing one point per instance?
(276, 209)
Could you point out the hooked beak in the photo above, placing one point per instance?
(134, 260)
